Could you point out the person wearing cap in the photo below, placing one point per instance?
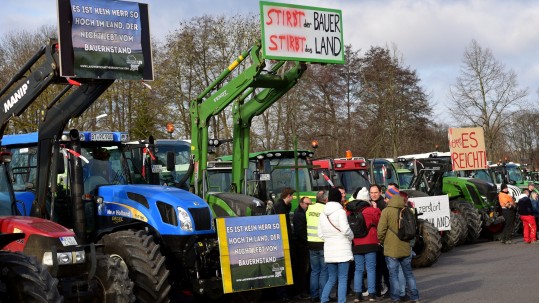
(396, 251)
(319, 271)
(525, 210)
(334, 230)
(300, 262)
(509, 212)
(364, 249)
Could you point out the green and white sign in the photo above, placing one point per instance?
(302, 33)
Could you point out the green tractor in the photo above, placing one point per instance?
(474, 198)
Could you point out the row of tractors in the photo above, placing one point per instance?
(90, 211)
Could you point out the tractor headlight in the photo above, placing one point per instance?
(69, 257)
(185, 220)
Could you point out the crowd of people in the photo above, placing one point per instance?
(337, 260)
(526, 206)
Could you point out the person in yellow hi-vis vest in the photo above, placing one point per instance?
(319, 272)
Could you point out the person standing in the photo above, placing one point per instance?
(335, 231)
(508, 211)
(364, 249)
(525, 210)
(284, 206)
(300, 262)
(382, 273)
(396, 251)
(319, 271)
(534, 197)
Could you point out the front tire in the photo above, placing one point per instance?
(145, 262)
(450, 238)
(472, 217)
(24, 279)
(113, 283)
(428, 246)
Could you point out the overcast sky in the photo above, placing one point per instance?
(431, 35)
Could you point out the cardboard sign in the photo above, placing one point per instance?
(434, 209)
(302, 33)
(254, 252)
(467, 148)
(104, 39)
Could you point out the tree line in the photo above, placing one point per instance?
(373, 105)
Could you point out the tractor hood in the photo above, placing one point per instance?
(34, 226)
(170, 210)
(486, 189)
(232, 204)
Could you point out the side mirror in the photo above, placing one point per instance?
(171, 161)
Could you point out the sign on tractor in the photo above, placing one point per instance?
(434, 209)
(108, 39)
(467, 148)
(303, 33)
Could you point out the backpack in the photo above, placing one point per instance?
(356, 220)
(407, 224)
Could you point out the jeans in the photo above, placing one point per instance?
(336, 271)
(361, 261)
(393, 266)
(402, 283)
(319, 272)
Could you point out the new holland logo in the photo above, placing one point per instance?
(16, 97)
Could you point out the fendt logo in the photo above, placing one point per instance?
(16, 97)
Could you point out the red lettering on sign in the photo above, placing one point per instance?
(469, 160)
(285, 17)
(287, 43)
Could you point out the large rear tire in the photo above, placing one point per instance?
(428, 246)
(113, 283)
(450, 238)
(24, 279)
(472, 217)
(145, 262)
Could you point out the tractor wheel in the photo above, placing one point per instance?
(144, 261)
(463, 234)
(24, 279)
(428, 246)
(113, 283)
(450, 238)
(472, 217)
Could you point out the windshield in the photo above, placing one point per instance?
(353, 179)
(405, 178)
(284, 175)
(23, 167)
(182, 154)
(384, 173)
(515, 175)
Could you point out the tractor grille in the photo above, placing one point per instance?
(202, 218)
(48, 227)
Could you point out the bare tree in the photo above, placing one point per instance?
(394, 111)
(485, 95)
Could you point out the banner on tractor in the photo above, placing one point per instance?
(467, 148)
(434, 209)
(104, 39)
(254, 252)
(301, 33)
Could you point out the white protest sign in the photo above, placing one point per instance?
(303, 33)
(434, 209)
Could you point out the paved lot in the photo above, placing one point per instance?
(480, 272)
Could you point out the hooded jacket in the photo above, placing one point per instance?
(388, 227)
(337, 237)
(369, 243)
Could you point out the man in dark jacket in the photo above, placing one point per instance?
(284, 206)
(525, 210)
(300, 261)
(377, 200)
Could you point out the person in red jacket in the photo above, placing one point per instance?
(364, 249)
